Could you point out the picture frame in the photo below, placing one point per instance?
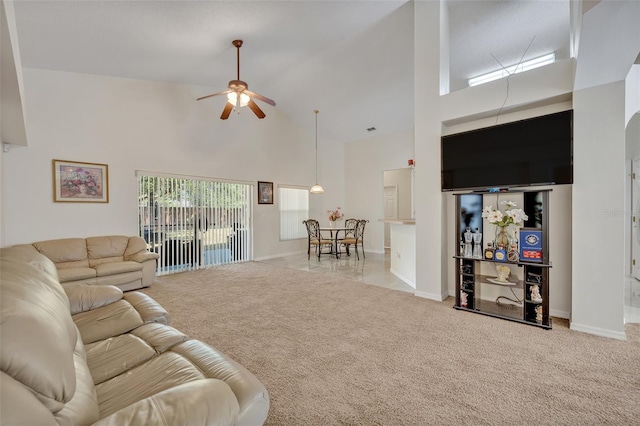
(265, 192)
(80, 182)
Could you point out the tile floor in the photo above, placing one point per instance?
(372, 269)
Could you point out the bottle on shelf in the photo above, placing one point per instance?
(468, 240)
(477, 245)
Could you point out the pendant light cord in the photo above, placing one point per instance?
(316, 112)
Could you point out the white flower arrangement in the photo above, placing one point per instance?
(511, 216)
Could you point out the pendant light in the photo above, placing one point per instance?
(316, 189)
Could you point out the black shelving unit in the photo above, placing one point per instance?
(531, 293)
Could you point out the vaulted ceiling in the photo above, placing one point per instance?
(352, 60)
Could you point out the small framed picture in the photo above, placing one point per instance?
(265, 192)
(75, 182)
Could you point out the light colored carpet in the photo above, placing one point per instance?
(333, 351)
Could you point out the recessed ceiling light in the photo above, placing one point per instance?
(371, 129)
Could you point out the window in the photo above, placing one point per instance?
(514, 69)
(193, 222)
(294, 208)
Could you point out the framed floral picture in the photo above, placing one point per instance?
(75, 182)
(265, 192)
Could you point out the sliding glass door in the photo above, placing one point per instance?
(192, 222)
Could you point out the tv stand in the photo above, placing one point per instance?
(480, 284)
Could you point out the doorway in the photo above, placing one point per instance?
(390, 210)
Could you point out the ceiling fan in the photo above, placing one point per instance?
(238, 94)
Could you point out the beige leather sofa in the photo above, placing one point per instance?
(88, 354)
(110, 260)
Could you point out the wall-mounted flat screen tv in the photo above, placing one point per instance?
(536, 151)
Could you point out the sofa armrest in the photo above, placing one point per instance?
(142, 256)
(86, 297)
(147, 307)
(201, 402)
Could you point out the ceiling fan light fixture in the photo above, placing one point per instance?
(239, 88)
(232, 98)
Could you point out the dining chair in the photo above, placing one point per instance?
(315, 238)
(356, 239)
(350, 224)
(350, 232)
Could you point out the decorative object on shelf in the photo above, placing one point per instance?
(499, 255)
(265, 192)
(463, 299)
(511, 216)
(488, 252)
(512, 254)
(531, 244)
(503, 274)
(468, 240)
(316, 189)
(535, 294)
(477, 245)
(75, 182)
(534, 278)
(334, 216)
(539, 313)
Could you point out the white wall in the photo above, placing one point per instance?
(599, 181)
(141, 125)
(431, 279)
(600, 167)
(364, 180)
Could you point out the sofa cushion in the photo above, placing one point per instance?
(106, 249)
(203, 402)
(162, 372)
(38, 335)
(114, 268)
(121, 279)
(116, 355)
(20, 406)
(83, 297)
(66, 252)
(107, 321)
(82, 409)
(75, 274)
(134, 246)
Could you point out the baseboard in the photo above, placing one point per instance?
(432, 296)
(631, 315)
(559, 314)
(403, 278)
(619, 335)
(375, 251)
(273, 256)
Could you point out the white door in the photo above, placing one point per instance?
(390, 210)
(635, 219)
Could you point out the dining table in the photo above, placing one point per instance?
(334, 232)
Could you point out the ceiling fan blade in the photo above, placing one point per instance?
(226, 111)
(256, 109)
(214, 94)
(260, 97)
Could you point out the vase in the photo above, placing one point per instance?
(502, 237)
(332, 224)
